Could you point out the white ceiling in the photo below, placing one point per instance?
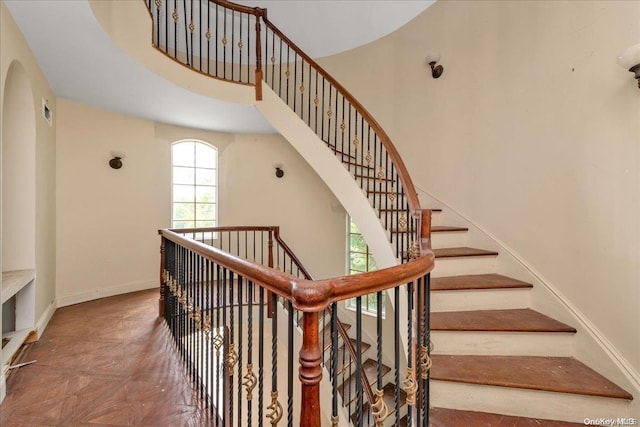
(81, 62)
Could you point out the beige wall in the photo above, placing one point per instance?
(108, 219)
(533, 132)
(13, 47)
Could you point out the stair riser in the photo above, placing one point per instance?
(480, 299)
(464, 265)
(504, 343)
(525, 403)
(449, 239)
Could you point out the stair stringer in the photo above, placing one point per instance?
(589, 345)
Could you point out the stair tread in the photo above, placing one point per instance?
(344, 357)
(513, 320)
(389, 398)
(370, 369)
(476, 281)
(556, 374)
(326, 333)
(462, 251)
(447, 228)
(442, 417)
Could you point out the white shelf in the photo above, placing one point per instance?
(16, 339)
(14, 281)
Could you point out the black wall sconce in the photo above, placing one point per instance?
(116, 160)
(279, 172)
(432, 61)
(630, 60)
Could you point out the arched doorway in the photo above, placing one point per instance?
(18, 213)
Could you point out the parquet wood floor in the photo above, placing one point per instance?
(108, 362)
(111, 362)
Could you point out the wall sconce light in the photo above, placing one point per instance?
(279, 171)
(432, 61)
(116, 159)
(630, 60)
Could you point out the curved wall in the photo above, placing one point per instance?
(18, 172)
(13, 47)
(533, 131)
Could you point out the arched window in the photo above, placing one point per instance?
(194, 195)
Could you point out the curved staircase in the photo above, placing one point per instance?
(496, 362)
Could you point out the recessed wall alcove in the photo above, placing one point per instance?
(18, 233)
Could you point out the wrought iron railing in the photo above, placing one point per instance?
(240, 44)
(216, 288)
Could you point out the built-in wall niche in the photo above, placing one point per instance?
(18, 310)
(18, 214)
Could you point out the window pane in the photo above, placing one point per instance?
(205, 194)
(358, 262)
(183, 211)
(183, 154)
(372, 263)
(183, 175)
(357, 243)
(205, 212)
(183, 193)
(205, 176)
(206, 156)
(183, 224)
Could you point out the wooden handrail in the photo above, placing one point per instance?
(311, 295)
(412, 195)
(293, 256)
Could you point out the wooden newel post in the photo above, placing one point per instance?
(162, 267)
(310, 371)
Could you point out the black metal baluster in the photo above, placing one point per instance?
(309, 99)
(240, 283)
(358, 361)
(295, 78)
(230, 286)
(290, 366)
(261, 317)
(233, 40)
(410, 352)
(216, 39)
(427, 345)
(396, 353)
(315, 102)
(208, 37)
(249, 347)
(288, 73)
(226, 374)
(334, 361)
(186, 32)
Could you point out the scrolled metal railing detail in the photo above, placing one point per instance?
(232, 358)
(274, 410)
(379, 408)
(410, 386)
(425, 362)
(250, 381)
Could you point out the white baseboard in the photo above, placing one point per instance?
(616, 361)
(44, 319)
(85, 296)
